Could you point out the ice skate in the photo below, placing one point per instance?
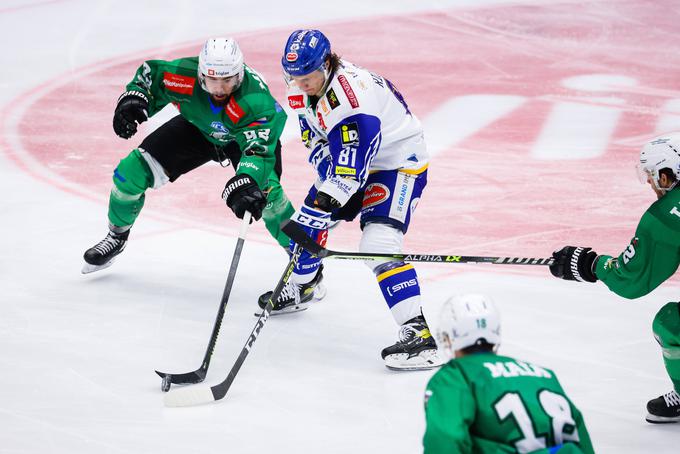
(415, 349)
(102, 254)
(296, 297)
(664, 409)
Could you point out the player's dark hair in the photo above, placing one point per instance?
(334, 61)
(669, 174)
(481, 346)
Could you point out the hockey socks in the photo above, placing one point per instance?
(399, 285)
(131, 179)
(666, 327)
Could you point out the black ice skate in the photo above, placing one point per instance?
(296, 297)
(415, 349)
(664, 409)
(101, 255)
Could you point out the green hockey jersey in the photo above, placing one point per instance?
(486, 403)
(653, 254)
(251, 117)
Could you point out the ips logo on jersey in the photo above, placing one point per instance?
(220, 132)
(349, 134)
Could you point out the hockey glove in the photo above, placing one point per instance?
(242, 194)
(326, 203)
(335, 192)
(574, 264)
(131, 110)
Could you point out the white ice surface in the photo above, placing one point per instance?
(77, 353)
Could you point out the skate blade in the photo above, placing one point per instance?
(428, 359)
(89, 268)
(288, 310)
(662, 419)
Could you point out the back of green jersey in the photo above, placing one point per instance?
(504, 405)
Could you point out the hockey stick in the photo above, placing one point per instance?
(202, 395)
(199, 374)
(297, 234)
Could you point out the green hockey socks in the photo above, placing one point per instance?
(131, 179)
(666, 327)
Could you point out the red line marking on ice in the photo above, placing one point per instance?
(485, 195)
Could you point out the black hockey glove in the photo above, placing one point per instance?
(130, 110)
(325, 202)
(574, 264)
(242, 194)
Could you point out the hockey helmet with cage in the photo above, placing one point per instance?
(306, 51)
(662, 152)
(467, 320)
(220, 57)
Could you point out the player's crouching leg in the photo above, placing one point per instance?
(415, 348)
(132, 177)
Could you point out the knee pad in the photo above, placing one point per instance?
(380, 238)
(132, 177)
(666, 327)
(160, 178)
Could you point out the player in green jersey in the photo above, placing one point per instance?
(226, 114)
(652, 256)
(481, 402)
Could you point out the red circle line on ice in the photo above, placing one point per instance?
(531, 114)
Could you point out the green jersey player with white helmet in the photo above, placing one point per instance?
(651, 257)
(226, 114)
(481, 402)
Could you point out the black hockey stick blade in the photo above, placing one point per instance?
(199, 374)
(198, 395)
(297, 234)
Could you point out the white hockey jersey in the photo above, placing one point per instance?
(362, 122)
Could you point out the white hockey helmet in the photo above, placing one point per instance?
(467, 320)
(220, 57)
(660, 153)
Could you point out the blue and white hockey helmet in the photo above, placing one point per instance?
(305, 52)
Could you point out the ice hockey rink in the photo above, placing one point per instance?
(534, 114)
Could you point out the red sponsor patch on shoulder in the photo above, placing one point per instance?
(178, 83)
(296, 102)
(234, 111)
(375, 194)
(347, 88)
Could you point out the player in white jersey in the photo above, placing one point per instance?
(370, 156)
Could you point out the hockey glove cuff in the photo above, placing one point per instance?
(335, 192)
(574, 264)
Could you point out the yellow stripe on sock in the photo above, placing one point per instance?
(414, 171)
(394, 271)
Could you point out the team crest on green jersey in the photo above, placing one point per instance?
(220, 132)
